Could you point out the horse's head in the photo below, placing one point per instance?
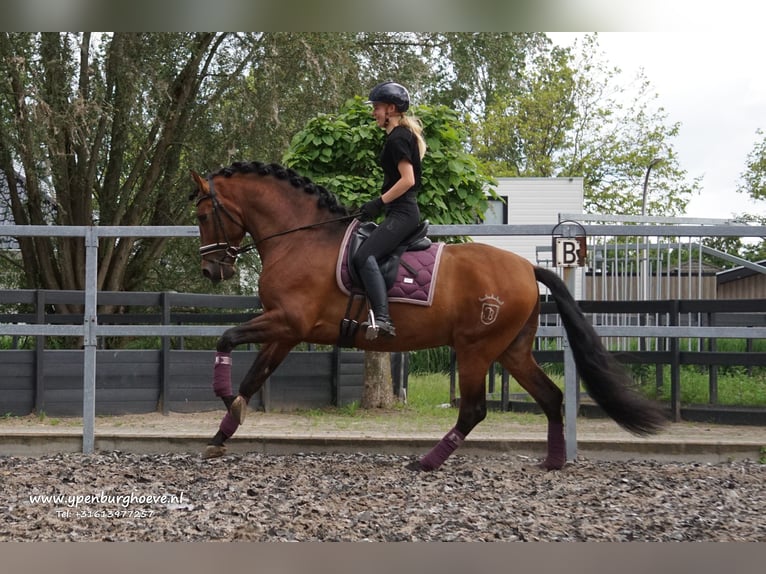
(219, 229)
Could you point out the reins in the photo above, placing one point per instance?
(303, 227)
(233, 251)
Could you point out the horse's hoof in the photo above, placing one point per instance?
(213, 451)
(238, 409)
(415, 466)
(548, 464)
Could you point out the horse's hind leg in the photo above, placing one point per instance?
(519, 362)
(473, 410)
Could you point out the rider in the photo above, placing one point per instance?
(400, 159)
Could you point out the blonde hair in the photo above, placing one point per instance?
(413, 124)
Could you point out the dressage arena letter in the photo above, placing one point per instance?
(568, 251)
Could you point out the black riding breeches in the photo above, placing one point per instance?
(396, 227)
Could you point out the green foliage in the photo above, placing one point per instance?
(436, 360)
(428, 392)
(340, 151)
(753, 181)
(571, 115)
(736, 387)
(104, 127)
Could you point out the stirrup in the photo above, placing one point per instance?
(374, 328)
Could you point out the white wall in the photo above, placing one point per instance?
(534, 200)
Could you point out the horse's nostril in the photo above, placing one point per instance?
(206, 273)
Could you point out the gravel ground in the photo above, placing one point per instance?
(368, 497)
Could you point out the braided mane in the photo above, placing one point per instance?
(325, 199)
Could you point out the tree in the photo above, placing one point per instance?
(753, 179)
(472, 70)
(565, 113)
(753, 183)
(96, 125)
(523, 130)
(339, 151)
(618, 131)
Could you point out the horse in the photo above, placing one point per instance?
(485, 306)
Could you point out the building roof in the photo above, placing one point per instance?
(739, 272)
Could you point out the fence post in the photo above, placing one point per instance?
(675, 365)
(39, 352)
(452, 377)
(505, 393)
(571, 398)
(89, 327)
(712, 369)
(165, 356)
(335, 378)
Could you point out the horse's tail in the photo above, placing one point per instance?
(605, 379)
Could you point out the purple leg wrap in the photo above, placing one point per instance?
(229, 425)
(557, 455)
(445, 447)
(222, 374)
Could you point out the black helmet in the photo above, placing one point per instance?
(391, 93)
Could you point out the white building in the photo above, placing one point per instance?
(532, 201)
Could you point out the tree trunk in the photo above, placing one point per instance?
(378, 387)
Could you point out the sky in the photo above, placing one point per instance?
(714, 84)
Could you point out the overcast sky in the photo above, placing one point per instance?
(714, 84)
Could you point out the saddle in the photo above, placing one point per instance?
(409, 273)
(416, 241)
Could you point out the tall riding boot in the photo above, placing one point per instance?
(377, 293)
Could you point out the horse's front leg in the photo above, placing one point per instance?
(268, 359)
(473, 410)
(223, 360)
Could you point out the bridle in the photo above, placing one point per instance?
(230, 251)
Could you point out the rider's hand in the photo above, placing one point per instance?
(371, 209)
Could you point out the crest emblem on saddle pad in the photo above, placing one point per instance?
(490, 308)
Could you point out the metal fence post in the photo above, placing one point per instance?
(89, 325)
(571, 399)
(675, 365)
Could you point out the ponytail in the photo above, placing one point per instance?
(413, 124)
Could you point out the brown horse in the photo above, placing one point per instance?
(297, 228)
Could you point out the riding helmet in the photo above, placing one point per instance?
(391, 93)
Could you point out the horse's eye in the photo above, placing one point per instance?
(202, 218)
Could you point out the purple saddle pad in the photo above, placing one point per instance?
(415, 279)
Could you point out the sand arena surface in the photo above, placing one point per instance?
(370, 497)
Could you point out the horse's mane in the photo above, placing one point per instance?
(325, 199)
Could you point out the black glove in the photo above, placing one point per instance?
(371, 209)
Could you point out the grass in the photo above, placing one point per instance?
(428, 393)
(427, 407)
(735, 387)
(428, 397)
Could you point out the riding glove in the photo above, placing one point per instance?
(372, 209)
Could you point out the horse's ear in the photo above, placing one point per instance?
(200, 183)
(197, 178)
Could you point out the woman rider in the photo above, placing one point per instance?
(400, 159)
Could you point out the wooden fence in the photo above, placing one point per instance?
(169, 378)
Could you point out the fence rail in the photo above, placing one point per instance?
(90, 329)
